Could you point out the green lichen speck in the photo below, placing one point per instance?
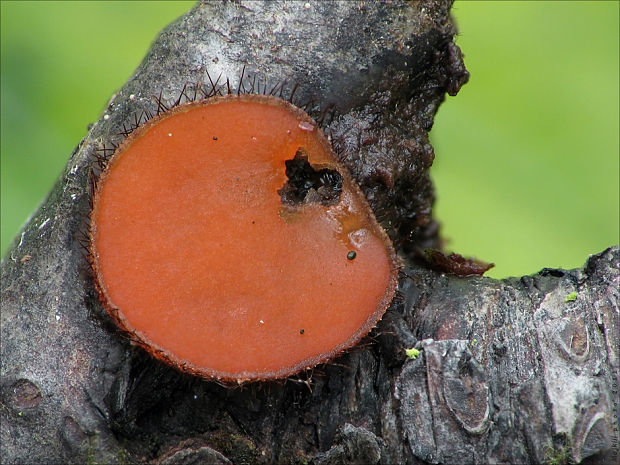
(571, 297)
(412, 353)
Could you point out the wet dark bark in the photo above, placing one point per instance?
(513, 371)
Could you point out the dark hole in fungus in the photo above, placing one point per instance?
(351, 255)
(307, 185)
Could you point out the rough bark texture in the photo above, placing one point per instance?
(510, 371)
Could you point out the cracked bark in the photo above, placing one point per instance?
(510, 371)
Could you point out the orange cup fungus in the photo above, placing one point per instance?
(219, 264)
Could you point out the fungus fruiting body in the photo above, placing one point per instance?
(223, 227)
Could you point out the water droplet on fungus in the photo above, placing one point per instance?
(193, 246)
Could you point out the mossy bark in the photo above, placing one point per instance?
(510, 371)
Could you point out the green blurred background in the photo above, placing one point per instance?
(527, 163)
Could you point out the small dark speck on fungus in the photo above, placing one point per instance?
(177, 264)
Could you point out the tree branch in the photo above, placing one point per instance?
(514, 371)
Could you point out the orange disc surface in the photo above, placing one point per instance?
(196, 254)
